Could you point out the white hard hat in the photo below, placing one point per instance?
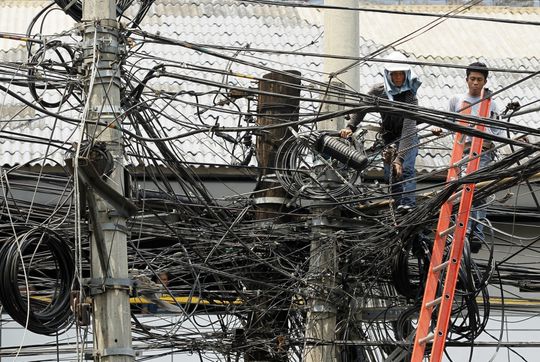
(396, 67)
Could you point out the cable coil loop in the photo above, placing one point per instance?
(36, 277)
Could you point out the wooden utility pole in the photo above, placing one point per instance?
(278, 105)
(109, 284)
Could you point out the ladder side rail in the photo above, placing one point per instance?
(452, 272)
(437, 253)
(458, 242)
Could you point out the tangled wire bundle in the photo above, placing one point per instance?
(36, 277)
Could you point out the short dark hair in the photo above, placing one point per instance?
(156, 278)
(477, 67)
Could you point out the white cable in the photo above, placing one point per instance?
(77, 221)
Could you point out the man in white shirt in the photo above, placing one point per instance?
(469, 103)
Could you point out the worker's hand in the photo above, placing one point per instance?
(397, 169)
(388, 155)
(436, 131)
(345, 133)
(523, 138)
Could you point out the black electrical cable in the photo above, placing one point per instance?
(40, 58)
(216, 257)
(75, 8)
(416, 249)
(28, 248)
(31, 26)
(389, 11)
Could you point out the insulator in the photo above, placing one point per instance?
(335, 148)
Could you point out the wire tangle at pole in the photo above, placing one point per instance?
(220, 228)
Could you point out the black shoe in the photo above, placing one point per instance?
(404, 209)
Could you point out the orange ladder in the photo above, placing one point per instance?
(451, 266)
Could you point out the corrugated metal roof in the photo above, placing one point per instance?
(232, 23)
(456, 37)
(16, 16)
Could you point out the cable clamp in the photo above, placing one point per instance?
(271, 201)
(323, 308)
(118, 352)
(100, 285)
(115, 227)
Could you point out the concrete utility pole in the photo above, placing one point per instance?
(321, 316)
(109, 284)
(341, 37)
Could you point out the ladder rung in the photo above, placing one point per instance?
(426, 339)
(434, 302)
(447, 231)
(464, 161)
(430, 301)
(440, 266)
(455, 195)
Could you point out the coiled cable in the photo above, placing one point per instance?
(303, 171)
(42, 256)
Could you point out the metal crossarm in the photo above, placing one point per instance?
(450, 267)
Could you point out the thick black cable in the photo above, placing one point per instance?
(53, 316)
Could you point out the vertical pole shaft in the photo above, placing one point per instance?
(109, 284)
(321, 314)
(341, 29)
(342, 38)
(278, 104)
